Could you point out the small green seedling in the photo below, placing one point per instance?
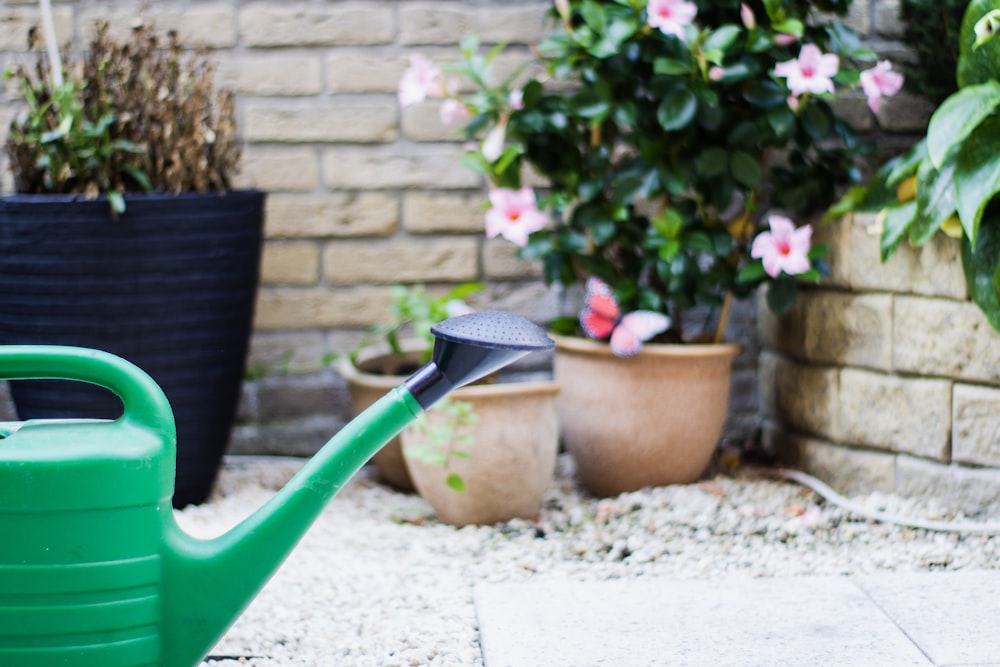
(445, 436)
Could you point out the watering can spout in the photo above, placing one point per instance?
(207, 584)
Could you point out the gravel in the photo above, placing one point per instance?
(378, 581)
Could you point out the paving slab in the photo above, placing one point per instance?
(953, 617)
(942, 619)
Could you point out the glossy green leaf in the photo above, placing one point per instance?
(745, 169)
(671, 66)
(895, 226)
(935, 199)
(721, 38)
(712, 162)
(981, 263)
(977, 174)
(677, 109)
(781, 295)
(977, 65)
(958, 116)
(455, 482)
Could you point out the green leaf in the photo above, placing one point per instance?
(677, 109)
(745, 169)
(712, 162)
(895, 226)
(455, 482)
(721, 38)
(977, 65)
(751, 273)
(670, 67)
(117, 201)
(790, 27)
(981, 263)
(781, 119)
(781, 295)
(958, 116)
(977, 174)
(935, 199)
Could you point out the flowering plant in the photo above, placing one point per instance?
(949, 181)
(668, 135)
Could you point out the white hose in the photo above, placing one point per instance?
(832, 496)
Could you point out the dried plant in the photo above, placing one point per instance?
(131, 116)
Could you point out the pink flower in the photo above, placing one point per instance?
(420, 81)
(812, 72)
(785, 39)
(670, 16)
(746, 15)
(516, 99)
(452, 112)
(880, 81)
(493, 143)
(784, 248)
(716, 73)
(514, 214)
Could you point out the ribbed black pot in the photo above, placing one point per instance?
(169, 285)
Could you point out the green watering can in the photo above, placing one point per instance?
(94, 572)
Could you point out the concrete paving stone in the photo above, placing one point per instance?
(800, 621)
(954, 617)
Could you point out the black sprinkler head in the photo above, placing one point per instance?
(472, 346)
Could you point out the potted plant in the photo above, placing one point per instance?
(948, 182)
(668, 136)
(488, 452)
(124, 234)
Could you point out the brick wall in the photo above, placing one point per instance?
(362, 195)
(888, 377)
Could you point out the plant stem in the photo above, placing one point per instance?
(51, 46)
(720, 330)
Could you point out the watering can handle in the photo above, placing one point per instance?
(144, 401)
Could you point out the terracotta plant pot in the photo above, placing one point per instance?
(512, 458)
(375, 373)
(648, 420)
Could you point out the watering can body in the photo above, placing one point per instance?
(94, 571)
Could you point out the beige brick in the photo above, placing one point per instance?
(905, 113)
(976, 425)
(887, 19)
(291, 351)
(849, 471)
(853, 109)
(274, 169)
(804, 397)
(835, 235)
(422, 122)
(335, 214)
(15, 23)
(363, 72)
(500, 262)
(401, 260)
(849, 329)
(308, 308)
(341, 121)
(290, 263)
(444, 22)
(909, 415)
(947, 338)
(934, 269)
(381, 168)
(429, 212)
(330, 24)
(203, 25)
(952, 487)
(273, 73)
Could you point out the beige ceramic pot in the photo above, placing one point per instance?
(647, 420)
(512, 457)
(375, 373)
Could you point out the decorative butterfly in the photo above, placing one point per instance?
(602, 317)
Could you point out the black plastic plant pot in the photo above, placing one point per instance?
(169, 285)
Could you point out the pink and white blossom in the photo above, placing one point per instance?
(671, 16)
(785, 39)
(811, 72)
(880, 81)
(784, 248)
(453, 112)
(746, 15)
(421, 80)
(516, 99)
(514, 214)
(493, 143)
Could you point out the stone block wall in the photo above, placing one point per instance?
(887, 378)
(363, 195)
